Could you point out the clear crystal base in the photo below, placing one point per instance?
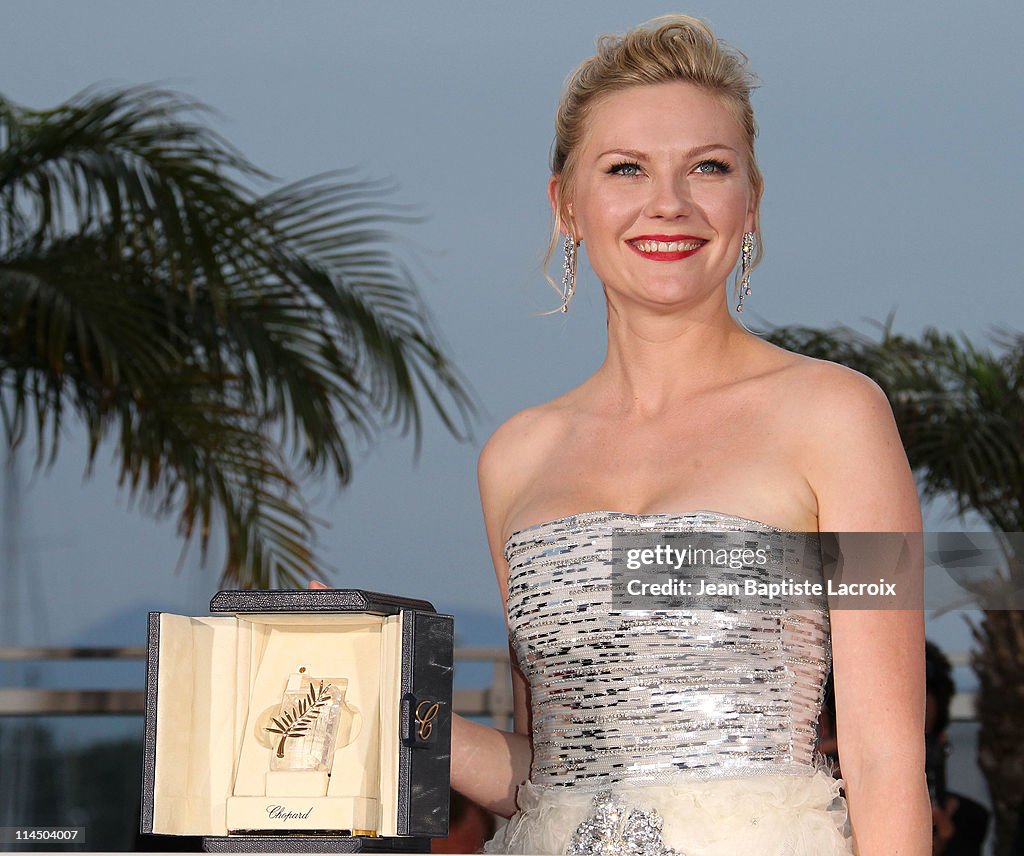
(304, 732)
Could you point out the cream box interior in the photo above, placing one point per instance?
(220, 681)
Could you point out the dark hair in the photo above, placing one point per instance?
(938, 677)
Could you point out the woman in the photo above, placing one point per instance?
(617, 744)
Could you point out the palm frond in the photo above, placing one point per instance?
(221, 337)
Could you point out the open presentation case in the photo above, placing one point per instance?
(312, 721)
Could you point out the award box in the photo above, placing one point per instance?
(234, 698)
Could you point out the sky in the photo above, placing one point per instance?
(889, 142)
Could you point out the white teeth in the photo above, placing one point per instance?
(662, 247)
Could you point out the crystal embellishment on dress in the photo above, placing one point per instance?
(614, 829)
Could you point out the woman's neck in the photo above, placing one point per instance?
(655, 361)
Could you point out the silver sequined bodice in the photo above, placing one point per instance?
(643, 694)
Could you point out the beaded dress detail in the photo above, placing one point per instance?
(675, 731)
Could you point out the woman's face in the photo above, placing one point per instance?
(662, 194)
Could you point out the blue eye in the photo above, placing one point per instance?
(627, 168)
(712, 167)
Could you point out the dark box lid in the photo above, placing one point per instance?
(315, 600)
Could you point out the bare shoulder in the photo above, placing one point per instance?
(512, 455)
(520, 439)
(843, 416)
(817, 399)
(852, 453)
(830, 394)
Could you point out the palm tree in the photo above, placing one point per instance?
(229, 342)
(960, 411)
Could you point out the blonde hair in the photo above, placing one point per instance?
(663, 50)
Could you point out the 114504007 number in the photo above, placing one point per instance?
(48, 834)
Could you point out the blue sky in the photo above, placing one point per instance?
(889, 142)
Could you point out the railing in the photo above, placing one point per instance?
(494, 700)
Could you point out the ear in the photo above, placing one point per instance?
(752, 220)
(554, 184)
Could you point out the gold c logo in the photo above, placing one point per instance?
(426, 710)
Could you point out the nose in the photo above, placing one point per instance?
(669, 198)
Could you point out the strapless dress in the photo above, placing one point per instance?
(663, 730)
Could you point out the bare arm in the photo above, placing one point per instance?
(488, 764)
(863, 483)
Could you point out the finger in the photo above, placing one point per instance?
(316, 584)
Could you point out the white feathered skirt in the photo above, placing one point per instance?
(754, 815)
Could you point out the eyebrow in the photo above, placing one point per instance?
(697, 150)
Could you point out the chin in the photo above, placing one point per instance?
(676, 295)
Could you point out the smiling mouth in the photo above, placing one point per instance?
(666, 250)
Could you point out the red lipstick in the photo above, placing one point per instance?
(679, 246)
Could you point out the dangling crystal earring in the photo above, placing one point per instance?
(746, 253)
(569, 277)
